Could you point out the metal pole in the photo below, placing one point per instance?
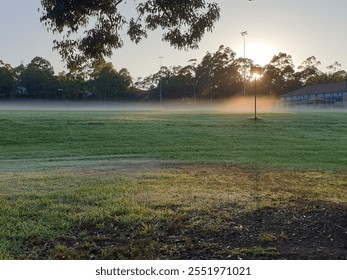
(244, 65)
(244, 33)
(255, 98)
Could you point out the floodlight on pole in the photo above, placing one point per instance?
(244, 33)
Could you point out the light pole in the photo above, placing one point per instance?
(244, 33)
(256, 72)
(255, 97)
(160, 83)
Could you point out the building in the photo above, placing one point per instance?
(333, 94)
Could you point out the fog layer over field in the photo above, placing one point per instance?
(235, 105)
(247, 104)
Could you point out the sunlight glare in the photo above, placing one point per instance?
(256, 76)
(261, 53)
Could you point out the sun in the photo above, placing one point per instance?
(260, 52)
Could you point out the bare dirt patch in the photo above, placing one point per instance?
(314, 232)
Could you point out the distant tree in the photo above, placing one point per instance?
(309, 71)
(279, 76)
(335, 67)
(41, 64)
(335, 74)
(38, 79)
(5, 65)
(125, 76)
(184, 22)
(106, 82)
(339, 76)
(151, 83)
(17, 75)
(218, 74)
(71, 86)
(179, 83)
(7, 81)
(190, 69)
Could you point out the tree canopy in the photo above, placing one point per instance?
(184, 22)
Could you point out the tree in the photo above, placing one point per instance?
(218, 74)
(7, 81)
(336, 74)
(107, 82)
(309, 71)
(38, 78)
(279, 76)
(178, 83)
(125, 77)
(184, 23)
(71, 86)
(41, 64)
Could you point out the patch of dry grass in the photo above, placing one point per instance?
(155, 209)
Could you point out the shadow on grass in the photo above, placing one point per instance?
(305, 231)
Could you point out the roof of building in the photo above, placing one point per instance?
(321, 88)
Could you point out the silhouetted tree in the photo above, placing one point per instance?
(71, 86)
(38, 79)
(184, 22)
(106, 82)
(279, 76)
(309, 70)
(218, 74)
(7, 81)
(334, 74)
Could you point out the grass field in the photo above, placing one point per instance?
(172, 185)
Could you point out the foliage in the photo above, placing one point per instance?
(309, 70)
(279, 76)
(7, 80)
(177, 82)
(38, 79)
(184, 23)
(106, 82)
(218, 75)
(71, 86)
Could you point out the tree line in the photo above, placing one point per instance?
(37, 80)
(218, 75)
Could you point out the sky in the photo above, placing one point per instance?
(300, 28)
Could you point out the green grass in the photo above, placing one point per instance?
(306, 140)
(149, 185)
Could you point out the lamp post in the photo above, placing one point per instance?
(244, 33)
(256, 71)
(160, 83)
(255, 97)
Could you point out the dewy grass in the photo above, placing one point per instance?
(151, 185)
(302, 140)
